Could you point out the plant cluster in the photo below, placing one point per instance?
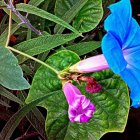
(76, 59)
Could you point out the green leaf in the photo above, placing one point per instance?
(9, 95)
(41, 13)
(14, 17)
(35, 2)
(1, 3)
(11, 75)
(36, 118)
(112, 106)
(3, 103)
(87, 15)
(84, 47)
(44, 75)
(14, 121)
(2, 24)
(42, 44)
(112, 103)
(67, 10)
(3, 36)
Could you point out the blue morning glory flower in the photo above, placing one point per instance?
(121, 46)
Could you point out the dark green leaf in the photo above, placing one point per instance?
(27, 69)
(2, 24)
(106, 3)
(67, 10)
(3, 103)
(14, 17)
(84, 47)
(86, 14)
(112, 106)
(89, 16)
(9, 95)
(112, 103)
(11, 75)
(37, 120)
(44, 75)
(35, 2)
(1, 3)
(17, 117)
(43, 44)
(44, 14)
(3, 36)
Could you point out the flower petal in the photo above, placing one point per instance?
(113, 53)
(80, 108)
(132, 77)
(70, 92)
(121, 47)
(84, 118)
(119, 21)
(133, 58)
(133, 37)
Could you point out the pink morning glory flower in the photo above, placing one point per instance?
(92, 64)
(80, 109)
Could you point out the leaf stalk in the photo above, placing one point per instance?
(33, 58)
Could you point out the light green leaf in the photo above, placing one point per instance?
(44, 14)
(112, 103)
(11, 75)
(84, 47)
(42, 44)
(85, 18)
(2, 3)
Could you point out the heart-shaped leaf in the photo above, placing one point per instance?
(47, 80)
(11, 75)
(112, 103)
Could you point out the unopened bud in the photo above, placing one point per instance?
(92, 64)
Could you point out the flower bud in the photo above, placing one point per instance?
(92, 64)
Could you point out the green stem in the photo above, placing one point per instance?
(33, 58)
